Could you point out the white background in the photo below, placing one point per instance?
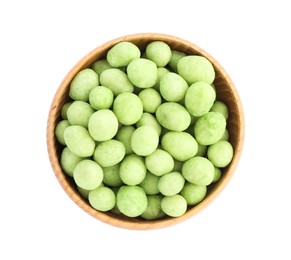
(42, 40)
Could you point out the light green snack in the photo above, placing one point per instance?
(225, 136)
(116, 80)
(150, 99)
(182, 146)
(102, 198)
(161, 72)
(103, 125)
(202, 149)
(128, 108)
(101, 98)
(209, 128)
(111, 176)
(79, 141)
(177, 166)
(199, 98)
(109, 153)
(69, 161)
(142, 73)
(84, 193)
(173, 87)
(82, 84)
(217, 174)
(88, 174)
(79, 113)
(64, 110)
(159, 162)
(176, 56)
(198, 170)
(220, 153)
(150, 184)
(124, 135)
(159, 52)
(132, 169)
(100, 65)
(122, 54)
(174, 206)
(220, 107)
(150, 120)
(154, 209)
(173, 116)
(60, 129)
(193, 193)
(131, 200)
(144, 140)
(195, 68)
(171, 183)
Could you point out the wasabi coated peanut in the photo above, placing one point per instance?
(82, 84)
(150, 99)
(109, 153)
(88, 174)
(100, 65)
(150, 184)
(202, 149)
(198, 170)
(220, 107)
(176, 56)
(174, 206)
(161, 72)
(103, 125)
(220, 153)
(159, 52)
(209, 128)
(131, 200)
(193, 193)
(177, 166)
(111, 176)
(79, 141)
(102, 198)
(173, 116)
(217, 174)
(60, 129)
(116, 80)
(142, 73)
(144, 140)
(132, 170)
(121, 54)
(101, 98)
(124, 135)
(79, 113)
(128, 108)
(171, 183)
(64, 110)
(150, 120)
(159, 162)
(194, 68)
(225, 136)
(199, 98)
(154, 209)
(84, 193)
(69, 161)
(182, 146)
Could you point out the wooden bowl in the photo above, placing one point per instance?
(226, 92)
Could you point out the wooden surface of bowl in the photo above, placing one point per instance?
(226, 92)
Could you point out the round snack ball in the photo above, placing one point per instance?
(150, 184)
(199, 98)
(103, 125)
(65, 109)
(109, 153)
(220, 153)
(159, 162)
(82, 84)
(174, 206)
(111, 176)
(217, 174)
(128, 108)
(202, 149)
(176, 56)
(124, 135)
(209, 128)
(173, 116)
(150, 99)
(69, 161)
(79, 113)
(79, 141)
(116, 80)
(102, 198)
(177, 166)
(132, 170)
(101, 98)
(173, 87)
(60, 129)
(193, 193)
(142, 73)
(194, 68)
(154, 209)
(131, 200)
(144, 140)
(220, 107)
(122, 53)
(100, 65)
(171, 183)
(161, 72)
(181, 145)
(225, 136)
(88, 174)
(198, 170)
(159, 52)
(150, 120)
(84, 193)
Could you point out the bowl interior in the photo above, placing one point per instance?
(226, 92)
